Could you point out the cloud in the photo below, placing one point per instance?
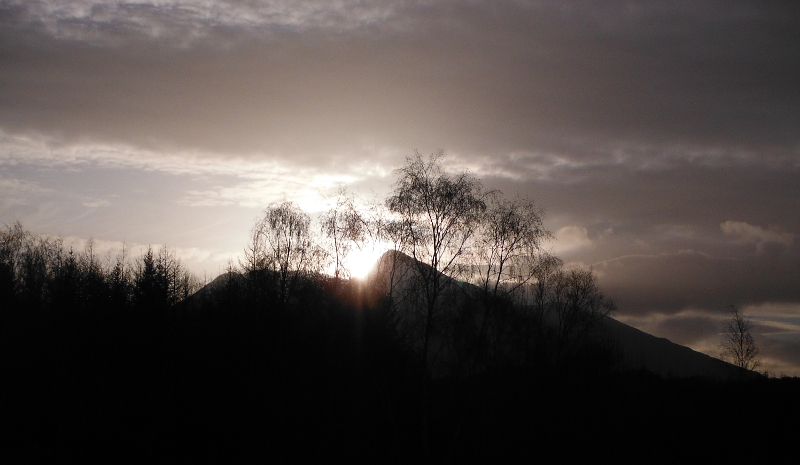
(539, 83)
(774, 309)
(19, 187)
(570, 238)
(254, 180)
(755, 234)
(19, 194)
(669, 283)
(43, 151)
(779, 357)
(95, 203)
(690, 327)
(188, 20)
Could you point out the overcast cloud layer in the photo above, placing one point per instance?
(663, 139)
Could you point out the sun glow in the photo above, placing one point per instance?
(360, 262)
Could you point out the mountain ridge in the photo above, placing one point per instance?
(638, 349)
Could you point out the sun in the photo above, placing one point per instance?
(361, 261)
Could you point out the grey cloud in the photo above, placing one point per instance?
(106, 20)
(671, 282)
(783, 356)
(690, 329)
(96, 203)
(471, 77)
(652, 203)
(756, 234)
(668, 252)
(18, 195)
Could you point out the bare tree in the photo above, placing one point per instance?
(737, 344)
(508, 250)
(345, 227)
(503, 261)
(580, 305)
(436, 217)
(282, 243)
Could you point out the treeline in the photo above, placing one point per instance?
(39, 273)
(124, 358)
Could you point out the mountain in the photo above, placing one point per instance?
(397, 273)
(640, 350)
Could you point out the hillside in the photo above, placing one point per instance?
(397, 273)
(663, 357)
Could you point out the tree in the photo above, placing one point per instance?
(119, 281)
(508, 249)
(150, 283)
(737, 344)
(282, 243)
(436, 217)
(160, 280)
(345, 227)
(504, 259)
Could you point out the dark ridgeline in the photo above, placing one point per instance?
(276, 360)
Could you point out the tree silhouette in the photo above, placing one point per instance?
(282, 243)
(150, 284)
(119, 282)
(505, 258)
(508, 250)
(436, 217)
(345, 227)
(737, 344)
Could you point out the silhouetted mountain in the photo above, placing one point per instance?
(397, 273)
(662, 357)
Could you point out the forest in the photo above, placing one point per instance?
(467, 342)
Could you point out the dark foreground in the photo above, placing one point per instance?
(221, 379)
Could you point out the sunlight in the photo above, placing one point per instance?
(361, 261)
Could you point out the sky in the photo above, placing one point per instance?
(661, 138)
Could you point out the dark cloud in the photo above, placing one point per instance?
(669, 283)
(784, 355)
(689, 329)
(475, 78)
(681, 206)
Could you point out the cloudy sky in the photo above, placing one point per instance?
(662, 138)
